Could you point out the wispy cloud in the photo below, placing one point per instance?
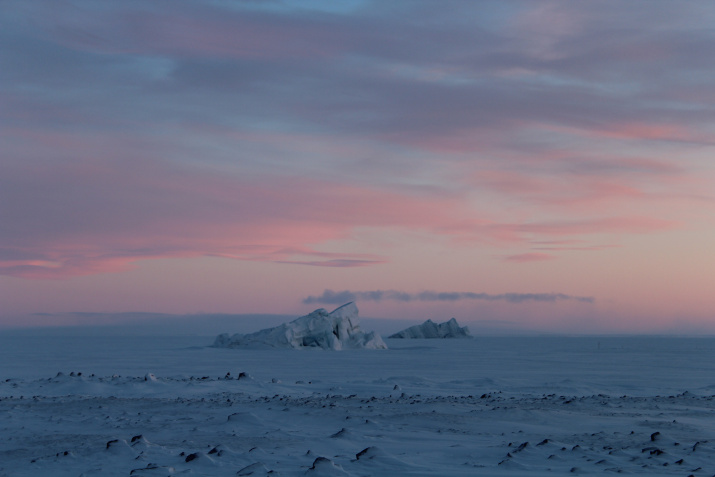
(279, 133)
(528, 257)
(337, 297)
(337, 263)
(101, 216)
(90, 216)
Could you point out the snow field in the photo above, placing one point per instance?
(487, 406)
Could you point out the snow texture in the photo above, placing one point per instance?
(430, 329)
(337, 330)
(488, 406)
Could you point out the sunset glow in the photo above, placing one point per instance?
(540, 166)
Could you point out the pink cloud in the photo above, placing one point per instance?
(528, 257)
(635, 130)
(79, 216)
(573, 248)
(596, 188)
(609, 225)
(90, 217)
(497, 233)
(101, 216)
(558, 188)
(338, 263)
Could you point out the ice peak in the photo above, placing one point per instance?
(336, 330)
(430, 329)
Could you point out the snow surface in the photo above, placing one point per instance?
(429, 330)
(158, 406)
(337, 330)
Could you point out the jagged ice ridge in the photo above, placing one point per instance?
(339, 329)
(430, 329)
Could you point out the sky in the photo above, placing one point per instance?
(531, 165)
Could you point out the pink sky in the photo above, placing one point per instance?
(547, 166)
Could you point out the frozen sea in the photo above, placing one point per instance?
(92, 404)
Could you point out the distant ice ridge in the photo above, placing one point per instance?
(337, 330)
(430, 329)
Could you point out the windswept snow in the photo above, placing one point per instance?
(430, 329)
(512, 407)
(337, 330)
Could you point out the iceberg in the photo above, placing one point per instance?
(337, 330)
(430, 329)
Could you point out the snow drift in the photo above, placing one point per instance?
(337, 330)
(430, 329)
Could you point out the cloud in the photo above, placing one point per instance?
(87, 215)
(520, 232)
(338, 263)
(133, 133)
(344, 296)
(95, 216)
(528, 257)
(411, 73)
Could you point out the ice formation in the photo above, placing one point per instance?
(430, 329)
(337, 330)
